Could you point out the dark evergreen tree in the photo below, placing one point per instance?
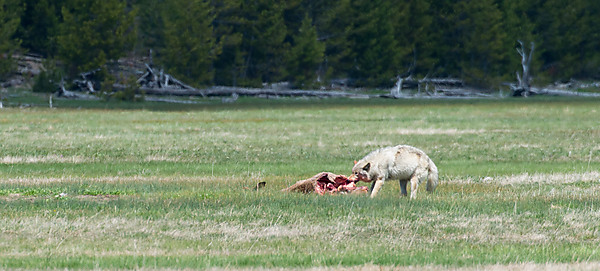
(39, 26)
(570, 38)
(9, 22)
(336, 27)
(296, 10)
(590, 29)
(248, 43)
(305, 56)
(189, 46)
(264, 32)
(94, 32)
(412, 26)
(442, 39)
(229, 65)
(483, 41)
(150, 35)
(254, 42)
(363, 42)
(471, 42)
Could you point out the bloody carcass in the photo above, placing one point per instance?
(327, 183)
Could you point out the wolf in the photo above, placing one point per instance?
(402, 162)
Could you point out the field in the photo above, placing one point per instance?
(169, 186)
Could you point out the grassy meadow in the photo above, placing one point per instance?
(151, 185)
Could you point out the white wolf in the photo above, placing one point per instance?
(402, 162)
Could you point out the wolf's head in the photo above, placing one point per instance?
(360, 171)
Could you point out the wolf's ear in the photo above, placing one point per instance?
(355, 162)
(367, 167)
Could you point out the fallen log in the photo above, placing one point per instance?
(228, 91)
(563, 93)
(231, 91)
(411, 83)
(415, 83)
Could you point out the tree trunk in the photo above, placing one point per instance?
(523, 88)
(397, 89)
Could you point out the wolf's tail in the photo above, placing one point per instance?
(432, 177)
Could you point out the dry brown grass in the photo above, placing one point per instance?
(452, 131)
(43, 159)
(527, 178)
(120, 179)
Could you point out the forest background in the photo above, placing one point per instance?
(308, 43)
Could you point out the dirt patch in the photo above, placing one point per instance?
(527, 178)
(161, 158)
(115, 179)
(101, 198)
(552, 178)
(13, 197)
(42, 159)
(434, 131)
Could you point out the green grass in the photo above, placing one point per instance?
(153, 185)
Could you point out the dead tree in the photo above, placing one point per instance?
(160, 80)
(88, 81)
(63, 92)
(396, 91)
(523, 88)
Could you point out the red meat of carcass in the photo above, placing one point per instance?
(327, 183)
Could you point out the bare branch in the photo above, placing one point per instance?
(532, 46)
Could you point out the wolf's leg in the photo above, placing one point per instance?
(376, 186)
(418, 176)
(414, 184)
(403, 184)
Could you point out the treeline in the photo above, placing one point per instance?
(308, 43)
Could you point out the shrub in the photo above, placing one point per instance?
(46, 81)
